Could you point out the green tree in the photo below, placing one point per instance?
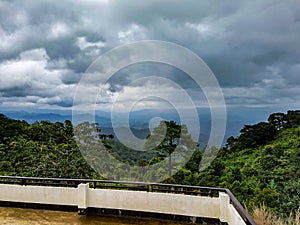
(293, 118)
(168, 136)
(10, 128)
(257, 134)
(283, 121)
(279, 120)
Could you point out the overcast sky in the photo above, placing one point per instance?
(252, 47)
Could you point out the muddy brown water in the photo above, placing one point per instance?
(16, 216)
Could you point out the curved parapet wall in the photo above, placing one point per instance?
(188, 201)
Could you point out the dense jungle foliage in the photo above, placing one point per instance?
(41, 149)
(260, 166)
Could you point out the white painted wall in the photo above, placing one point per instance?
(155, 202)
(84, 197)
(227, 211)
(234, 218)
(38, 194)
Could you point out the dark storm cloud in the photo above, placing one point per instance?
(140, 70)
(251, 46)
(145, 13)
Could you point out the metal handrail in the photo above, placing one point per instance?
(146, 186)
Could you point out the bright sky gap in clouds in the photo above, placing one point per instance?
(251, 46)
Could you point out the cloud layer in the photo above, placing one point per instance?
(251, 46)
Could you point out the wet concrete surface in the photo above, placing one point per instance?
(17, 216)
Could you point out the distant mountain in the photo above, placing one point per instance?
(140, 133)
(139, 120)
(32, 117)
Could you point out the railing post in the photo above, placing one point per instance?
(82, 198)
(23, 181)
(149, 188)
(224, 204)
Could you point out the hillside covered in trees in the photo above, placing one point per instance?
(41, 149)
(260, 166)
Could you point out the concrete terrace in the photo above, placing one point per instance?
(175, 202)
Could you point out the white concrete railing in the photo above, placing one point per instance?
(84, 197)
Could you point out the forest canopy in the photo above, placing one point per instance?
(260, 166)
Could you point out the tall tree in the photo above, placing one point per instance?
(168, 136)
(257, 134)
(279, 120)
